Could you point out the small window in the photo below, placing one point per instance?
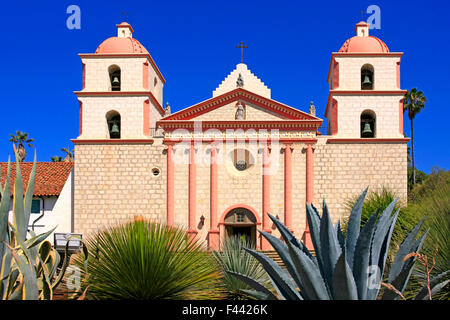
(240, 217)
(156, 172)
(242, 159)
(155, 82)
(36, 206)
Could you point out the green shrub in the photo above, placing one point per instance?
(148, 260)
(432, 201)
(234, 258)
(380, 199)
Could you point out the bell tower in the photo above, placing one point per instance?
(119, 157)
(365, 98)
(121, 96)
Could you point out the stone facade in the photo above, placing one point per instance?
(117, 179)
(344, 170)
(115, 182)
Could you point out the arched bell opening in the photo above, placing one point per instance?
(113, 123)
(114, 77)
(368, 124)
(367, 77)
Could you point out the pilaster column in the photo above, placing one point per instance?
(170, 186)
(192, 191)
(213, 234)
(309, 191)
(265, 245)
(288, 186)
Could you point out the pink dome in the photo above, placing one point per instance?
(364, 44)
(121, 45)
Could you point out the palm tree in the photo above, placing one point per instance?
(56, 159)
(20, 138)
(413, 102)
(69, 155)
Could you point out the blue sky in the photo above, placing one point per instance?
(194, 45)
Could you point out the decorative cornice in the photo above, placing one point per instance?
(287, 125)
(368, 140)
(367, 54)
(361, 54)
(217, 140)
(112, 141)
(123, 55)
(362, 93)
(121, 94)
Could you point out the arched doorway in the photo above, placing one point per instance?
(241, 222)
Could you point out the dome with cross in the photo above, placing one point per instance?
(124, 43)
(362, 42)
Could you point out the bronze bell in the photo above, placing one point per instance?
(367, 81)
(115, 85)
(115, 132)
(366, 130)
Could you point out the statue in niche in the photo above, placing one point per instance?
(312, 109)
(240, 81)
(167, 109)
(240, 112)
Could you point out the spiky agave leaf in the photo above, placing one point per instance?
(353, 227)
(283, 252)
(4, 212)
(372, 292)
(313, 284)
(344, 286)
(259, 291)
(361, 258)
(30, 192)
(369, 247)
(330, 247)
(436, 284)
(284, 286)
(234, 258)
(401, 280)
(30, 288)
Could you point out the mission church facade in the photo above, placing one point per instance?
(217, 168)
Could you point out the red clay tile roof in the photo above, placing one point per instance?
(50, 176)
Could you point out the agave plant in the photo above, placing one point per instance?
(349, 267)
(28, 266)
(142, 259)
(233, 257)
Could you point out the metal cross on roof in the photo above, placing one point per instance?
(242, 47)
(125, 13)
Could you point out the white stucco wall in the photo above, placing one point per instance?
(57, 212)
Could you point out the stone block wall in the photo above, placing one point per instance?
(343, 170)
(114, 182)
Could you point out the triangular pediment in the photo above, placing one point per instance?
(225, 106)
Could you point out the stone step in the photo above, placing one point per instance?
(275, 257)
